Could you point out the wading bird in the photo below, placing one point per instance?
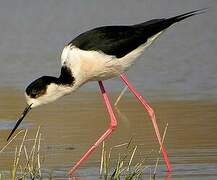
(96, 55)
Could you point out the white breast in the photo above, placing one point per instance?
(89, 65)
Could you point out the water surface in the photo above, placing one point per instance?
(72, 124)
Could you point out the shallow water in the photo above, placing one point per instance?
(72, 124)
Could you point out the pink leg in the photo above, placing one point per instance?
(153, 118)
(112, 126)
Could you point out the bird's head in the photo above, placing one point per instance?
(43, 90)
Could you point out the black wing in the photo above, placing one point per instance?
(120, 40)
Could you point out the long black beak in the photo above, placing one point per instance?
(26, 110)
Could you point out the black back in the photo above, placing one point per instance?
(120, 40)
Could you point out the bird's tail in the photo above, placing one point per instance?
(158, 25)
(186, 15)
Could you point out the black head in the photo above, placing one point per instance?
(39, 87)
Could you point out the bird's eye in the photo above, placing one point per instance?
(34, 94)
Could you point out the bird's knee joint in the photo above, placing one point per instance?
(151, 112)
(113, 126)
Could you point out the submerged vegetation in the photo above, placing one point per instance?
(27, 162)
(123, 168)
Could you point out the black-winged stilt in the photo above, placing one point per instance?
(99, 54)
